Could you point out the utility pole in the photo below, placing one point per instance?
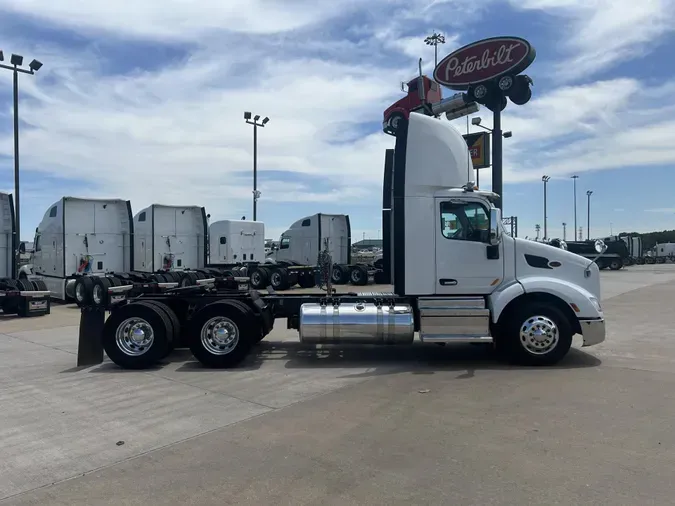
(256, 193)
(545, 180)
(564, 231)
(588, 224)
(16, 61)
(581, 233)
(537, 228)
(574, 178)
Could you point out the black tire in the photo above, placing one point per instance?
(640, 261)
(99, 292)
(175, 328)
(660, 260)
(358, 275)
(379, 278)
(83, 288)
(394, 122)
(235, 319)
(188, 279)
(615, 264)
(649, 260)
(306, 280)
(534, 316)
(279, 279)
(259, 278)
(172, 276)
(340, 275)
(147, 317)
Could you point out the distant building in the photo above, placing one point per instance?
(368, 244)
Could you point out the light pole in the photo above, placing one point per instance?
(588, 223)
(574, 178)
(475, 121)
(256, 193)
(564, 231)
(16, 61)
(537, 228)
(434, 40)
(545, 180)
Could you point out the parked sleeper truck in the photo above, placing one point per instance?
(20, 296)
(457, 278)
(300, 246)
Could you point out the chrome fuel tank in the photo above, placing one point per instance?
(357, 323)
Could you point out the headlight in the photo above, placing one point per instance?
(596, 303)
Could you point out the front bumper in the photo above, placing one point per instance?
(593, 331)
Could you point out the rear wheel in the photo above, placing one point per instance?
(306, 280)
(259, 278)
(222, 334)
(535, 334)
(137, 336)
(83, 290)
(615, 264)
(175, 327)
(99, 292)
(279, 279)
(39, 285)
(358, 275)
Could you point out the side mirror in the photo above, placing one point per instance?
(22, 248)
(600, 246)
(495, 226)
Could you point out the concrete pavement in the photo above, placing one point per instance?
(421, 425)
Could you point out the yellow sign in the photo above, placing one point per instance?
(479, 147)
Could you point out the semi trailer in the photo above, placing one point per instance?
(18, 296)
(456, 279)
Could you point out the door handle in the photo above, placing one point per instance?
(447, 282)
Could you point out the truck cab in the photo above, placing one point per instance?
(236, 241)
(303, 241)
(420, 91)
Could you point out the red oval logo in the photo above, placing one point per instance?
(484, 60)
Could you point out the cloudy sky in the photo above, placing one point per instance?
(144, 100)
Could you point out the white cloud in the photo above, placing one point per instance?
(177, 134)
(599, 34)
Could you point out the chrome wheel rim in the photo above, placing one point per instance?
(255, 278)
(134, 337)
(539, 335)
(97, 294)
(276, 279)
(79, 292)
(220, 335)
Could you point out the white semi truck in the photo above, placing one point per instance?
(78, 242)
(301, 243)
(457, 278)
(17, 296)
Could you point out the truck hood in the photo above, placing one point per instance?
(535, 259)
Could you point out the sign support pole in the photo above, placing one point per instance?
(497, 176)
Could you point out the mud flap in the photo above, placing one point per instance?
(90, 345)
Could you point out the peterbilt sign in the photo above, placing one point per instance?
(484, 60)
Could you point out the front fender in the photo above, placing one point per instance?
(26, 269)
(567, 292)
(500, 298)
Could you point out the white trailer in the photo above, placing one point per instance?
(169, 238)
(17, 296)
(79, 241)
(235, 241)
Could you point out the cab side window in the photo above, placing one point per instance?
(37, 246)
(465, 221)
(285, 243)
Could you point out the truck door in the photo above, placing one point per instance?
(466, 264)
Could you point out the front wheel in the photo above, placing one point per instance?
(536, 334)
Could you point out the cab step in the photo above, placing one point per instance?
(454, 320)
